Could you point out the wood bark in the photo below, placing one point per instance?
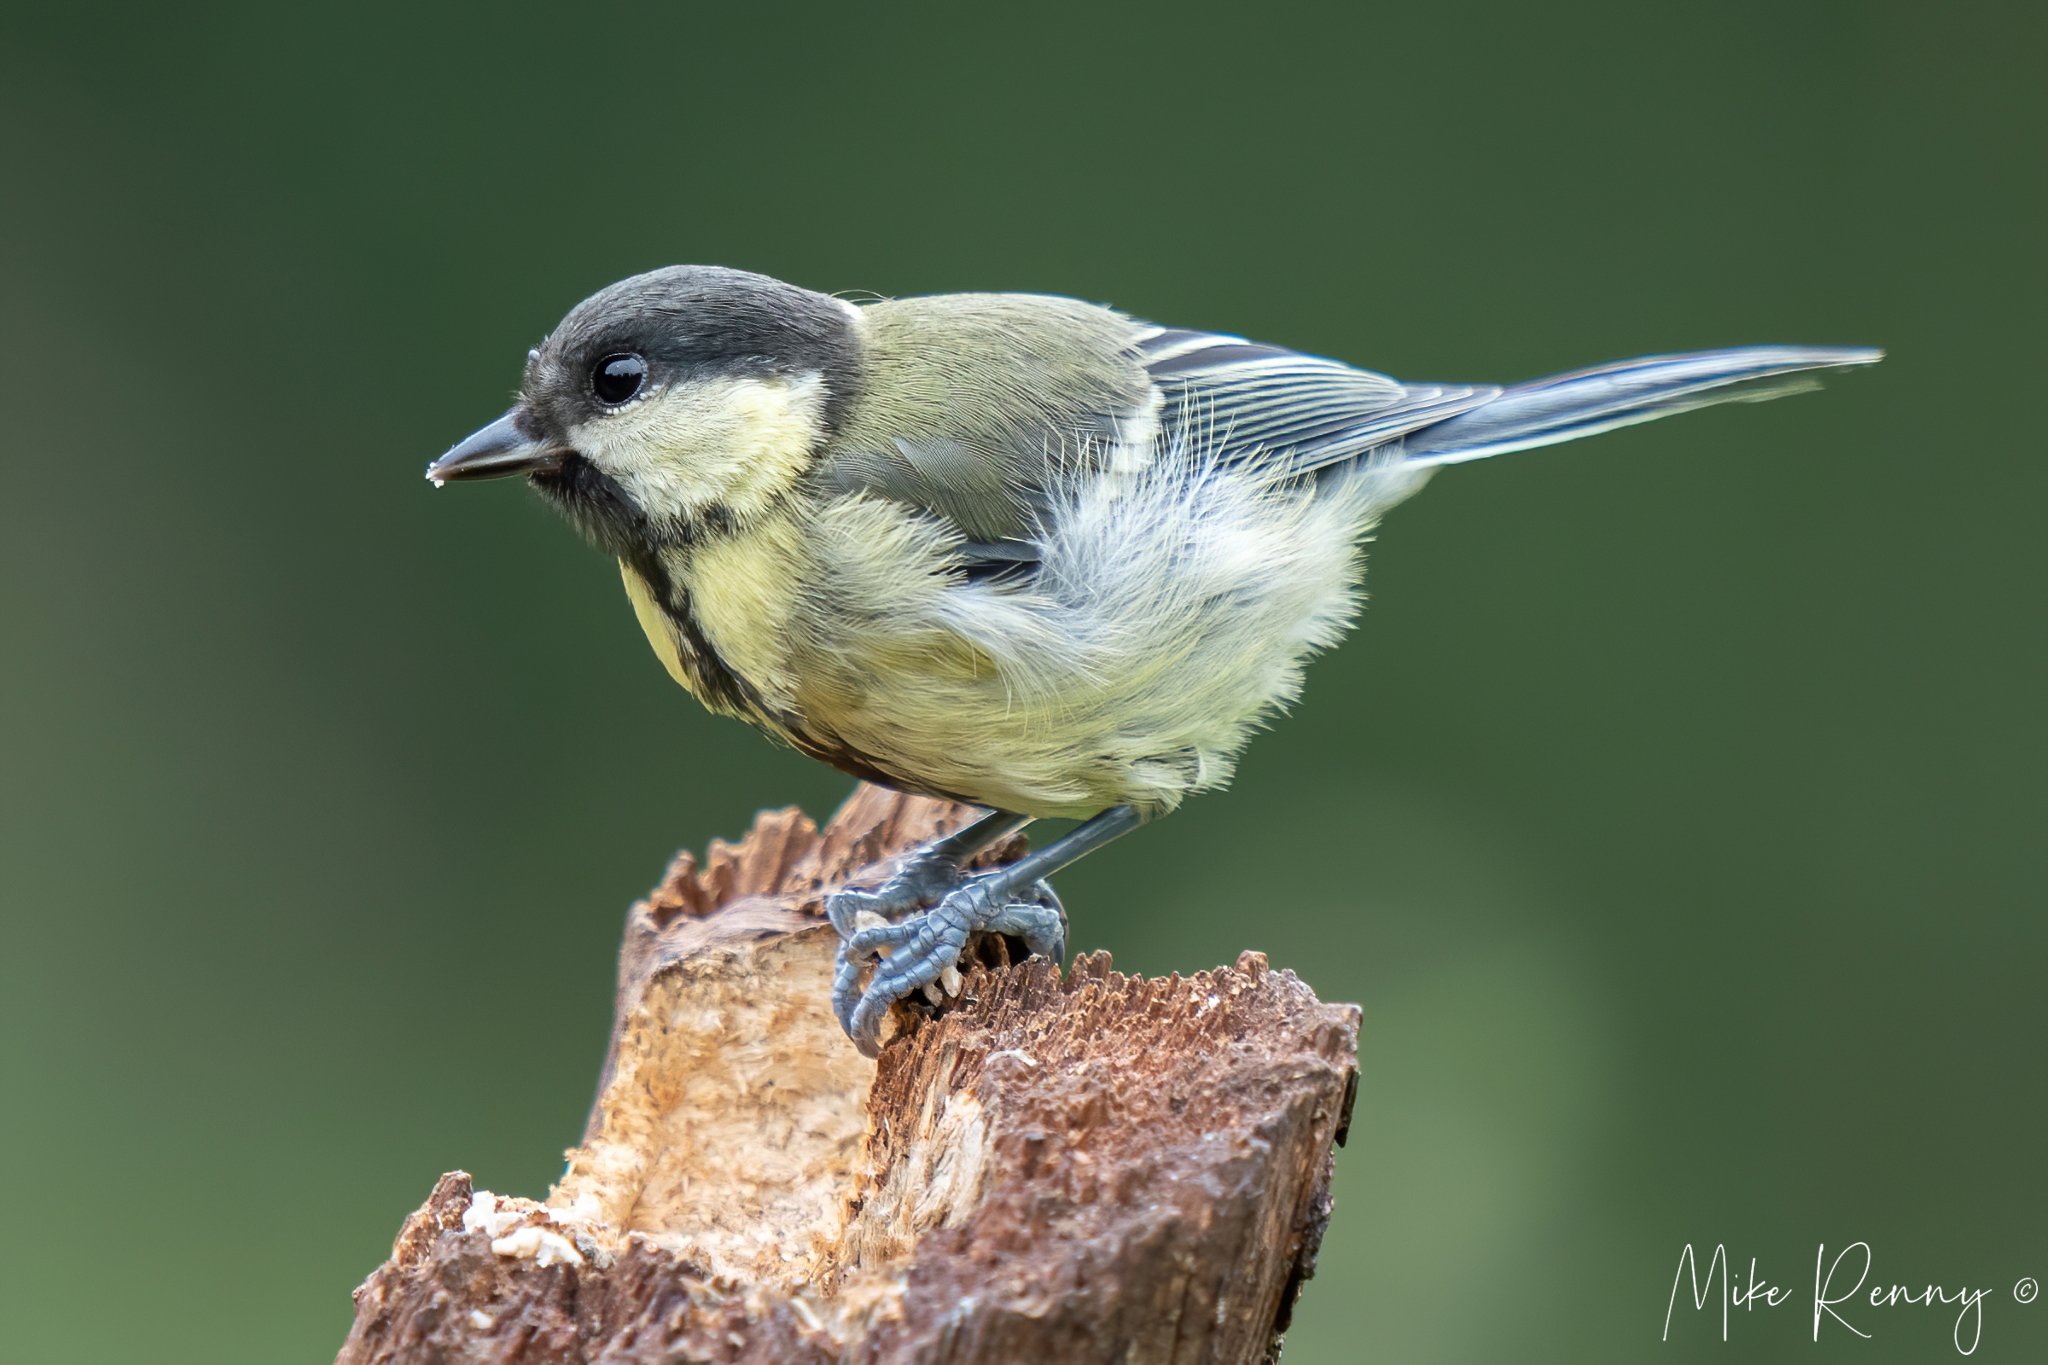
(1044, 1167)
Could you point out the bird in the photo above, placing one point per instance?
(1017, 551)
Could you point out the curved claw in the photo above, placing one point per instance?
(937, 948)
(922, 880)
(924, 945)
(845, 988)
(867, 942)
(1041, 922)
(844, 909)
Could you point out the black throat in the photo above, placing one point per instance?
(610, 520)
(599, 509)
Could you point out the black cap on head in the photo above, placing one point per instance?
(688, 322)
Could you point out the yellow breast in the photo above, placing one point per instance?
(661, 632)
(744, 590)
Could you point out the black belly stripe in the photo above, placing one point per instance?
(711, 678)
(721, 688)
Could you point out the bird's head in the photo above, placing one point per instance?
(685, 397)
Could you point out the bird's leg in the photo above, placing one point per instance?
(1010, 900)
(922, 879)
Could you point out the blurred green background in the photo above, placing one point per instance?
(1675, 811)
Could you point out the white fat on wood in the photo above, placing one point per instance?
(508, 1225)
(484, 1215)
(544, 1248)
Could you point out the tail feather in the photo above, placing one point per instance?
(1565, 407)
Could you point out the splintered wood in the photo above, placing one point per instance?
(1093, 1167)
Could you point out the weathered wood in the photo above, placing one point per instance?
(1093, 1167)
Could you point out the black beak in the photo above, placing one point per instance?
(498, 451)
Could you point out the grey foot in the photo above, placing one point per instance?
(922, 880)
(922, 947)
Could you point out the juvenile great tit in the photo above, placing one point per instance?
(1013, 550)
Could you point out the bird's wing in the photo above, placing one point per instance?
(978, 405)
(975, 406)
(1239, 400)
(1253, 402)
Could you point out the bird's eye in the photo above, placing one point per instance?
(617, 378)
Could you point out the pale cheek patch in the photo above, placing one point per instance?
(736, 443)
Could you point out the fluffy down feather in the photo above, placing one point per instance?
(1174, 607)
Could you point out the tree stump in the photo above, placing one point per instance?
(1078, 1168)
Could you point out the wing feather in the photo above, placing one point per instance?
(979, 405)
(1245, 401)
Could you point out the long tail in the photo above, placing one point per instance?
(1565, 407)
